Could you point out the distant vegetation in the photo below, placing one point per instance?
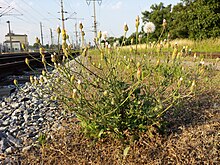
(192, 19)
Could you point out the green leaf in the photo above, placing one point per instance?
(100, 133)
(125, 153)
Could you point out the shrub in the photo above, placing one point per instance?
(118, 92)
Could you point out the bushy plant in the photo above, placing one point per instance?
(114, 91)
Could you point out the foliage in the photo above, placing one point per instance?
(196, 19)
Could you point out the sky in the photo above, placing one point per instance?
(25, 16)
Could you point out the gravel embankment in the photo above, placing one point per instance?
(26, 115)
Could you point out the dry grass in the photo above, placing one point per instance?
(191, 137)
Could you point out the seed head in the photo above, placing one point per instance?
(149, 27)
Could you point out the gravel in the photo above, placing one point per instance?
(24, 117)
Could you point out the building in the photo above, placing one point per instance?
(15, 41)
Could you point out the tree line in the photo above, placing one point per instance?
(193, 19)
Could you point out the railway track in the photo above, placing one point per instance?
(15, 62)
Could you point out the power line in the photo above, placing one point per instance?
(94, 13)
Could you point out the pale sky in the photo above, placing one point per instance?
(25, 16)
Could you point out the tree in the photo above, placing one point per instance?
(195, 19)
(158, 13)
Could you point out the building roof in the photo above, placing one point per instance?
(12, 34)
(12, 42)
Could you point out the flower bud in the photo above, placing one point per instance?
(132, 41)
(37, 40)
(72, 78)
(74, 94)
(27, 61)
(15, 82)
(192, 88)
(79, 84)
(202, 61)
(105, 93)
(31, 79)
(158, 62)
(23, 46)
(139, 74)
(180, 82)
(83, 33)
(164, 23)
(138, 65)
(80, 26)
(64, 35)
(43, 72)
(99, 35)
(137, 22)
(44, 60)
(53, 59)
(113, 101)
(58, 30)
(41, 79)
(41, 50)
(125, 27)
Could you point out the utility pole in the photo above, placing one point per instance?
(41, 34)
(94, 13)
(76, 33)
(62, 15)
(9, 32)
(51, 38)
